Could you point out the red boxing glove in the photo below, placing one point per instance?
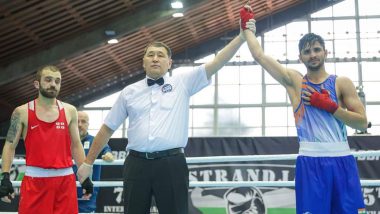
(245, 16)
(323, 101)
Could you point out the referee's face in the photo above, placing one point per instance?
(156, 62)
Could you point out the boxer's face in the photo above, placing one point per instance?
(313, 56)
(49, 84)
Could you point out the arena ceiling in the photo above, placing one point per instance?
(71, 35)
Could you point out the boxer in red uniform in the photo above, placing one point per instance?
(49, 128)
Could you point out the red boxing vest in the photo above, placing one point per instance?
(48, 145)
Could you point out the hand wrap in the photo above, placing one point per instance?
(88, 186)
(245, 16)
(6, 188)
(323, 101)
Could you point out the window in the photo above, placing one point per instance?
(371, 71)
(368, 7)
(344, 8)
(324, 28)
(348, 69)
(370, 34)
(244, 100)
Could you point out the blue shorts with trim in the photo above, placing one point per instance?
(328, 185)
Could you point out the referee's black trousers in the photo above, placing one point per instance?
(166, 178)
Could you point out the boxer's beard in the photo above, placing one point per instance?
(49, 93)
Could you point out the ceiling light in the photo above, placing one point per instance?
(176, 15)
(177, 5)
(113, 41)
(110, 33)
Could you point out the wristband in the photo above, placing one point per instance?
(88, 165)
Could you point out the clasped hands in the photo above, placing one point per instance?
(84, 174)
(247, 20)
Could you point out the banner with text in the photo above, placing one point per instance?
(218, 200)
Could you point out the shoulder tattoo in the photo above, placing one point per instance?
(14, 127)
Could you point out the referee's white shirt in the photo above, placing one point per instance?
(158, 115)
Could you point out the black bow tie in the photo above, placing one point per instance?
(159, 81)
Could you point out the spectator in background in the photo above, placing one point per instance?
(87, 206)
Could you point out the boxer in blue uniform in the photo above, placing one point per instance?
(326, 172)
(327, 179)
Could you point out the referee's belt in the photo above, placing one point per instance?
(156, 155)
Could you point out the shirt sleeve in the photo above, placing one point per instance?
(195, 80)
(118, 112)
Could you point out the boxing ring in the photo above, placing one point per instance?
(225, 171)
(222, 159)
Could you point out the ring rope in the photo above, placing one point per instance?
(367, 183)
(220, 159)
